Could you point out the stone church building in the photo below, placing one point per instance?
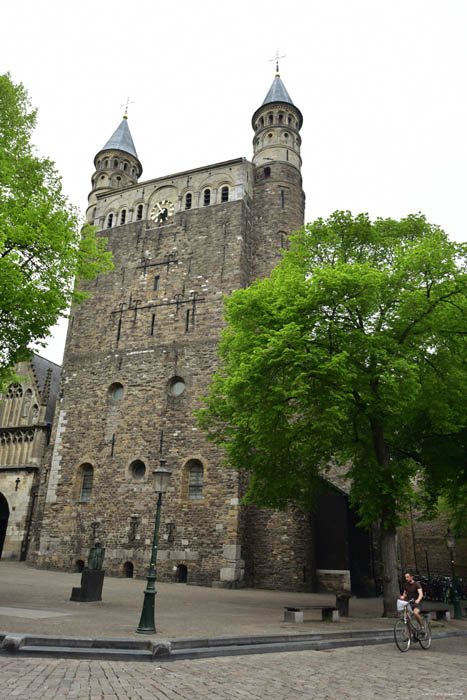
(139, 354)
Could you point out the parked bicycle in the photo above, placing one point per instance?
(407, 630)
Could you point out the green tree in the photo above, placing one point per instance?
(42, 249)
(352, 352)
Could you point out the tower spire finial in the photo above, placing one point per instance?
(276, 59)
(128, 102)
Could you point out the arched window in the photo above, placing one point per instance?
(125, 166)
(86, 484)
(106, 163)
(195, 480)
(188, 200)
(110, 219)
(225, 194)
(123, 216)
(271, 119)
(98, 164)
(207, 197)
(115, 163)
(261, 121)
(139, 212)
(267, 172)
(281, 117)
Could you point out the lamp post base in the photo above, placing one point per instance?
(146, 623)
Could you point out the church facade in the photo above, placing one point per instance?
(142, 350)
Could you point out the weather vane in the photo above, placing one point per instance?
(128, 102)
(276, 59)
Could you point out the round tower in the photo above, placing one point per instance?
(279, 200)
(116, 165)
(277, 124)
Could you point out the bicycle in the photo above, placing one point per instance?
(406, 632)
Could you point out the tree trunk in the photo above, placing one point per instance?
(391, 590)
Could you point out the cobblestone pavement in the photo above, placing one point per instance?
(359, 672)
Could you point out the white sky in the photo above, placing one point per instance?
(381, 86)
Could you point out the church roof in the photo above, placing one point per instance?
(121, 139)
(277, 92)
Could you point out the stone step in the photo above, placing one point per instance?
(87, 653)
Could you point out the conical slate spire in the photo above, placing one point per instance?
(121, 139)
(277, 92)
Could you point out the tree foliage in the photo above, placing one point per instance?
(42, 250)
(353, 351)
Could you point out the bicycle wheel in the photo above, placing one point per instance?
(425, 641)
(402, 635)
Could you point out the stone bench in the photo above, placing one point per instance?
(329, 613)
(442, 612)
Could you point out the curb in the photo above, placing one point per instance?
(113, 649)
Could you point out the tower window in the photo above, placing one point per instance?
(286, 136)
(110, 219)
(106, 163)
(86, 483)
(188, 200)
(261, 121)
(207, 197)
(289, 120)
(281, 117)
(98, 164)
(267, 172)
(195, 481)
(115, 163)
(125, 166)
(271, 119)
(187, 321)
(139, 212)
(282, 199)
(156, 283)
(123, 216)
(225, 194)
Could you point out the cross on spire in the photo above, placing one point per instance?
(276, 59)
(128, 102)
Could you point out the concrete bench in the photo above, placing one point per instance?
(442, 612)
(329, 613)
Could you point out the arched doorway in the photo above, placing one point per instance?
(182, 573)
(4, 515)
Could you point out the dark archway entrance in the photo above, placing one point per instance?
(182, 573)
(4, 515)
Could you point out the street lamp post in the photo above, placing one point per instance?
(146, 623)
(451, 544)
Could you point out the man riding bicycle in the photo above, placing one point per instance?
(413, 592)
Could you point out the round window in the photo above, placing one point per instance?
(176, 386)
(137, 469)
(116, 391)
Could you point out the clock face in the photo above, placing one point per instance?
(162, 211)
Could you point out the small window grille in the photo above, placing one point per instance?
(110, 220)
(86, 484)
(195, 483)
(188, 200)
(123, 216)
(139, 212)
(225, 194)
(207, 198)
